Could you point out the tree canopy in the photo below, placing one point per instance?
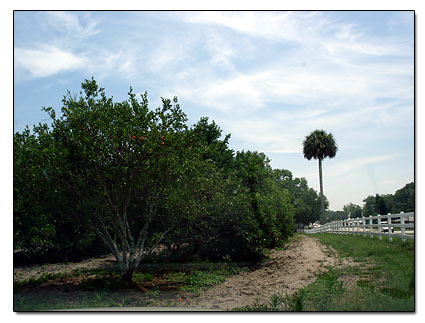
(403, 200)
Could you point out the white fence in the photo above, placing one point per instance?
(401, 225)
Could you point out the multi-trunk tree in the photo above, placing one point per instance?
(119, 161)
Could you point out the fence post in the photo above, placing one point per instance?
(370, 226)
(403, 229)
(364, 227)
(390, 237)
(358, 226)
(379, 227)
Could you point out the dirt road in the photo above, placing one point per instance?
(283, 273)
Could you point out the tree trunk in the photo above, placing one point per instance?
(322, 199)
(127, 276)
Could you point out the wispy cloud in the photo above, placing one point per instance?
(47, 60)
(321, 79)
(79, 26)
(343, 168)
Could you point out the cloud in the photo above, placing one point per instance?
(47, 60)
(76, 25)
(345, 167)
(317, 72)
(274, 25)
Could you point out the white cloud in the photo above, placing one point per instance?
(345, 167)
(220, 50)
(277, 25)
(77, 25)
(47, 60)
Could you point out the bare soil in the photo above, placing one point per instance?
(283, 273)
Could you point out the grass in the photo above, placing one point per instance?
(384, 277)
(391, 286)
(86, 300)
(201, 280)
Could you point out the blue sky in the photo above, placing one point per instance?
(267, 78)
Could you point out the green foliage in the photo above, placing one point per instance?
(110, 282)
(87, 299)
(200, 280)
(335, 215)
(391, 279)
(234, 212)
(277, 303)
(305, 200)
(319, 145)
(138, 177)
(140, 277)
(44, 227)
(319, 295)
(270, 204)
(403, 200)
(352, 210)
(37, 281)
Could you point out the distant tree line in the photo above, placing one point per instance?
(121, 178)
(403, 200)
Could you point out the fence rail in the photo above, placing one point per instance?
(400, 225)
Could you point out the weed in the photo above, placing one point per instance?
(199, 280)
(277, 303)
(108, 282)
(140, 277)
(37, 281)
(154, 293)
(177, 276)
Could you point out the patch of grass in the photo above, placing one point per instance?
(200, 280)
(37, 281)
(387, 283)
(88, 300)
(319, 295)
(277, 303)
(104, 282)
(139, 277)
(175, 276)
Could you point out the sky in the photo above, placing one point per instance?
(269, 78)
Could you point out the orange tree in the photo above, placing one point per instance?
(118, 162)
(43, 223)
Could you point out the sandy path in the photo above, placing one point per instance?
(283, 273)
(21, 273)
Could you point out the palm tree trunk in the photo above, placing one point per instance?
(322, 199)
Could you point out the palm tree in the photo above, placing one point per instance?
(319, 145)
